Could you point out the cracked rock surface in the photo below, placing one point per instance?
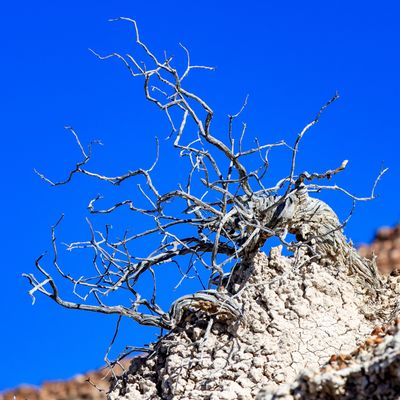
(370, 372)
(296, 313)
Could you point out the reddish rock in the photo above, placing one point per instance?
(386, 246)
(385, 233)
(90, 386)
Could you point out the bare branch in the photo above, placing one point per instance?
(214, 221)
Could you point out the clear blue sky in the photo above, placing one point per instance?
(290, 57)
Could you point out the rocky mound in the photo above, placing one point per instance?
(304, 332)
(297, 313)
(369, 372)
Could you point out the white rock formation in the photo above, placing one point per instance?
(370, 372)
(296, 313)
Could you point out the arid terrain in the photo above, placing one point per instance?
(94, 385)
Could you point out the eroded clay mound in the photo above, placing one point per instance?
(297, 313)
(372, 371)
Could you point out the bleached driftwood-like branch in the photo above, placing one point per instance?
(231, 228)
